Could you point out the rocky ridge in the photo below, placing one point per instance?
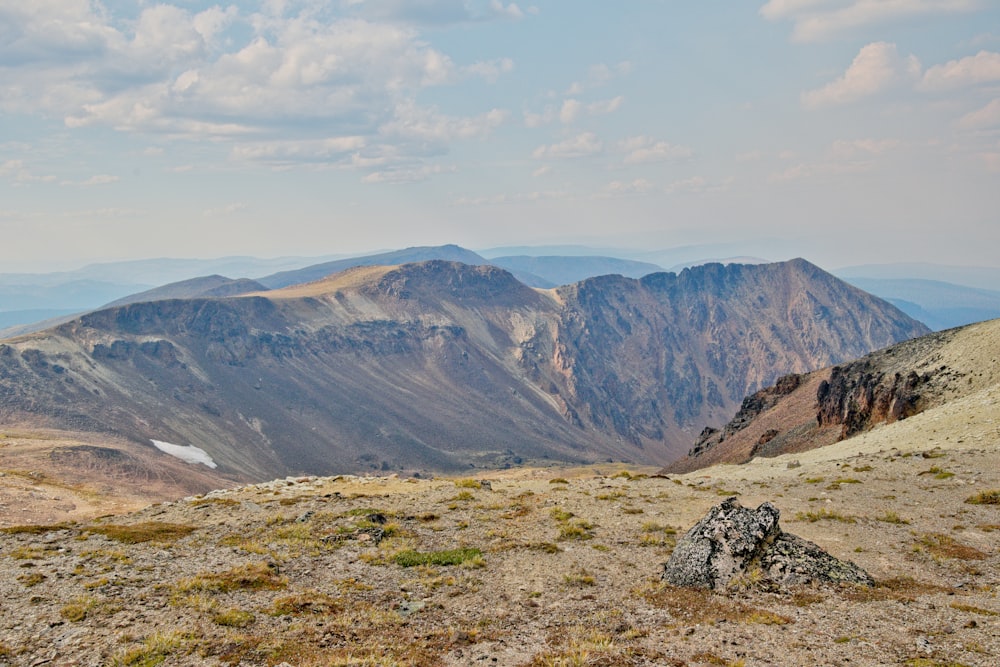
(439, 366)
(802, 412)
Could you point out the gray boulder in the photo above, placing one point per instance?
(733, 545)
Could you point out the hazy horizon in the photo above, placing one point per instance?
(843, 131)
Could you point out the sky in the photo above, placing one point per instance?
(843, 131)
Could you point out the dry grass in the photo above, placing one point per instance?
(251, 576)
(824, 514)
(691, 606)
(945, 546)
(990, 497)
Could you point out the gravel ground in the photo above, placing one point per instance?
(535, 567)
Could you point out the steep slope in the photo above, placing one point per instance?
(803, 412)
(206, 286)
(441, 365)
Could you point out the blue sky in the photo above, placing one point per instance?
(843, 131)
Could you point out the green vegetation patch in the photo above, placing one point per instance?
(411, 558)
(824, 515)
(989, 497)
(40, 529)
(148, 531)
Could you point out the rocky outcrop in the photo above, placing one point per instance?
(733, 544)
(857, 397)
(753, 405)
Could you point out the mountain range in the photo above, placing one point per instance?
(440, 365)
(939, 296)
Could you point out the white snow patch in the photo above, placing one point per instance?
(190, 454)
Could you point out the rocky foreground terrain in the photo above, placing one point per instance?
(528, 567)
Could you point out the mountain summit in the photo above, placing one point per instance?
(441, 365)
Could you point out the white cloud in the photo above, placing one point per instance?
(330, 149)
(604, 107)
(542, 171)
(984, 67)
(639, 186)
(877, 67)
(406, 175)
(570, 111)
(643, 150)
(816, 20)
(22, 174)
(986, 117)
(849, 149)
(496, 200)
(581, 145)
(417, 123)
(293, 69)
(599, 75)
(491, 69)
(227, 210)
(98, 179)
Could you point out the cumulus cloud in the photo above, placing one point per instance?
(984, 67)
(642, 150)
(570, 111)
(877, 67)
(584, 144)
(816, 20)
(418, 123)
(856, 147)
(406, 175)
(604, 107)
(22, 174)
(248, 78)
(437, 12)
(98, 179)
(639, 186)
(986, 117)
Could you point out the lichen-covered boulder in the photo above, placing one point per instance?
(733, 543)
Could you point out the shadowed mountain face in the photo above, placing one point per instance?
(440, 365)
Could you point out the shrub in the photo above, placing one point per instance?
(990, 497)
(411, 558)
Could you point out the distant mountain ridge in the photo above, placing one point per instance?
(441, 365)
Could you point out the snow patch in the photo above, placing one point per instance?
(190, 454)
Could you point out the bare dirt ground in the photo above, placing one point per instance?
(539, 567)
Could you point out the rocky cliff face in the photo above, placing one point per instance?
(441, 365)
(801, 412)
